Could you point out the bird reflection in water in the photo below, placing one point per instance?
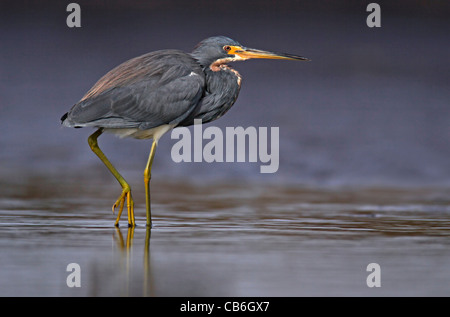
(125, 247)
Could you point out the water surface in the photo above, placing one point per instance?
(226, 240)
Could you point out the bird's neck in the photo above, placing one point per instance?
(219, 76)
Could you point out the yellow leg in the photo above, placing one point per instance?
(147, 177)
(126, 190)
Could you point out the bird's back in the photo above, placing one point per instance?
(158, 88)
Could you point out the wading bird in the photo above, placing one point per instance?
(151, 94)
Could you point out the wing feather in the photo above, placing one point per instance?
(158, 88)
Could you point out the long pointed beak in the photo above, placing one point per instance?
(247, 53)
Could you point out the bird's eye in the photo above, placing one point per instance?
(227, 48)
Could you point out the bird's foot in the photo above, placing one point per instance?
(120, 202)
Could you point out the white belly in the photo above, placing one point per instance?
(154, 133)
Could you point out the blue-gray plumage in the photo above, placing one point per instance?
(153, 93)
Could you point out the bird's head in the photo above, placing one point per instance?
(224, 49)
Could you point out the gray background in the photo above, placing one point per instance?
(372, 107)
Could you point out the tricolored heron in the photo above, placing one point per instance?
(151, 94)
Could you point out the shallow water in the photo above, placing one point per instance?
(226, 240)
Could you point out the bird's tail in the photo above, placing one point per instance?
(65, 121)
(64, 117)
